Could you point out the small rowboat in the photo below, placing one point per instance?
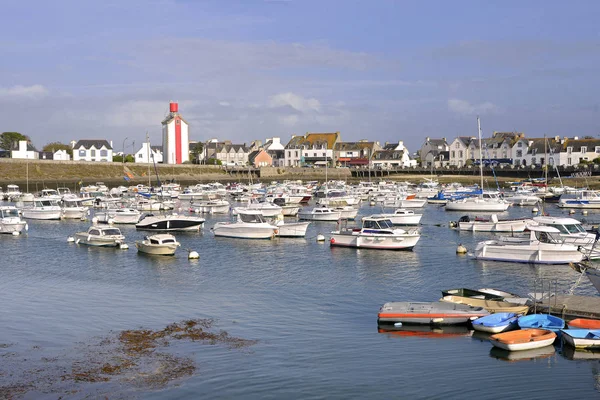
(490, 305)
(582, 338)
(583, 323)
(507, 296)
(475, 294)
(525, 339)
(496, 323)
(544, 321)
(429, 313)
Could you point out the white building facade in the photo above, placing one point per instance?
(148, 154)
(24, 149)
(93, 150)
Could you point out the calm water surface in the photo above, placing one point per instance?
(312, 309)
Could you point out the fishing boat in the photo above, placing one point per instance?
(544, 321)
(542, 247)
(250, 224)
(100, 236)
(163, 244)
(475, 294)
(401, 217)
(490, 305)
(581, 338)
(496, 323)
(10, 221)
(525, 339)
(173, 222)
(429, 313)
(375, 233)
(43, 209)
(584, 323)
(491, 224)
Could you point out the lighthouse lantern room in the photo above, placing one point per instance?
(175, 131)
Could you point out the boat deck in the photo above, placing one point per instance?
(571, 306)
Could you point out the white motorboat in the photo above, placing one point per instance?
(12, 192)
(173, 222)
(147, 205)
(210, 206)
(100, 236)
(581, 199)
(290, 210)
(487, 202)
(376, 233)
(543, 246)
(266, 208)
(401, 217)
(319, 214)
(491, 224)
(10, 220)
(50, 194)
(291, 229)
(523, 199)
(43, 209)
(119, 216)
(249, 225)
(74, 209)
(411, 203)
(163, 244)
(573, 233)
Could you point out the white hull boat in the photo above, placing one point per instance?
(401, 217)
(210, 207)
(477, 204)
(523, 200)
(572, 232)
(542, 247)
(492, 224)
(376, 233)
(10, 220)
(412, 203)
(249, 225)
(290, 210)
(160, 245)
(291, 229)
(119, 216)
(525, 339)
(320, 214)
(101, 237)
(43, 209)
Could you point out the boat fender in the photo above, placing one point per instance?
(15, 233)
(77, 241)
(437, 320)
(89, 237)
(276, 231)
(453, 224)
(320, 238)
(398, 324)
(332, 241)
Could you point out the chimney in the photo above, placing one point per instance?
(444, 139)
(73, 143)
(557, 139)
(576, 138)
(426, 139)
(111, 144)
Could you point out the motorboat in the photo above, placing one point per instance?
(266, 208)
(542, 247)
(50, 194)
(491, 224)
(100, 236)
(525, 339)
(291, 229)
(411, 203)
(172, 222)
(119, 216)
(589, 199)
(10, 220)
(523, 199)
(43, 209)
(581, 338)
(144, 204)
(163, 244)
(572, 232)
(73, 208)
(319, 214)
(497, 322)
(543, 321)
(375, 233)
(590, 271)
(429, 313)
(250, 224)
(210, 206)
(401, 217)
(492, 306)
(486, 202)
(290, 210)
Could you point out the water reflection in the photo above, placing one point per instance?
(523, 355)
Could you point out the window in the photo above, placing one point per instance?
(569, 150)
(290, 154)
(457, 145)
(519, 153)
(460, 154)
(584, 149)
(315, 154)
(520, 144)
(103, 153)
(140, 155)
(296, 153)
(324, 154)
(305, 154)
(569, 161)
(533, 160)
(597, 150)
(453, 154)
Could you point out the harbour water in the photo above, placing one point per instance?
(311, 309)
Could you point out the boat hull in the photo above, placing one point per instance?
(542, 253)
(433, 313)
(10, 227)
(156, 249)
(490, 226)
(42, 214)
(375, 241)
(170, 224)
(582, 338)
(89, 240)
(238, 231)
(293, 229)
(523, 339)
(496, 323)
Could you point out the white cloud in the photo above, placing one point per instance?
(137, 113)
(32, 92)
(463, 107)
(295, 101)
(224, 104)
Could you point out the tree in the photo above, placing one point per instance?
(55, 146)
(8, 138)
(213, 161)
(196, 151)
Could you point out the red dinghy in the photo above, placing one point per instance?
(583, 323)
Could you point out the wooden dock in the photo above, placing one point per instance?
(570, 306)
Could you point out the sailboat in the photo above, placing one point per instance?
(486, 201)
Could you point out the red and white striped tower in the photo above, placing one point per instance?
(176, 141)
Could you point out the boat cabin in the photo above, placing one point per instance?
(565, 226)
(251, 217)
(9, 212)
(104, 231)
(161, 239)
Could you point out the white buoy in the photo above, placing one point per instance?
(571, 211)
(193, 255)
(123, 246)
(15, 233)
(461, 249)
(534, 210)
(70, 239)
(584, 212)
(371, 203)
(320, 238)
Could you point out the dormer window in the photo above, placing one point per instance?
(584, 149)
(520, 144)
(597, 150)
(569, 150)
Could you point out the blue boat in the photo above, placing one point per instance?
(582, 338)
(496, 323)
(544, 321)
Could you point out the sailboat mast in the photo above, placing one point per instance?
(148, 150)
(546, 162)
(480, 154)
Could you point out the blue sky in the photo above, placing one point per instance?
(253, 69)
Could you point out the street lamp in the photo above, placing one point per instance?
(124, 149)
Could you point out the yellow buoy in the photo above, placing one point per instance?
(461, 249)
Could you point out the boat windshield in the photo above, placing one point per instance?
(10, 212)
(111, 231)
(574, 228)
(250, 218)
(378, 224)
(546, 237)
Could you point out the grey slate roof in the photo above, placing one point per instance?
(97, 143)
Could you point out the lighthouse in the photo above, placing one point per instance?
(175, 133)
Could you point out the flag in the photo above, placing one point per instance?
(126, 178)
(129, 174)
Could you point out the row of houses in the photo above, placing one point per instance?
(509, 148)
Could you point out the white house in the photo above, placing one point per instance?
(149, 155)
(93, 150)
(24, 149)
(276, 150)
(61, 155)
(312, 148)
(576, 150)
(462, 149)
(435, 145)
(393, 155)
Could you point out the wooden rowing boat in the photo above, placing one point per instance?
(490, 305)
